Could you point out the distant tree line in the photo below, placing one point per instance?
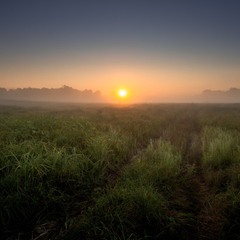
(63, 94)
(230, 96)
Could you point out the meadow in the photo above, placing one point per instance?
(95, 171)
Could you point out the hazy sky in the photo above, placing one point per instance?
(158, 49)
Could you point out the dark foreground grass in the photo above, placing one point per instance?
(49, 164)
(221, 164)
(68, 171)
(139, 206)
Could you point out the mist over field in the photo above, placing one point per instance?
(68, 94)
(104, 171)
(120, 120)
(230, 96)
(63, 94)
(158, 51)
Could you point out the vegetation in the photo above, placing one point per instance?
(120, 172)
(221, 164)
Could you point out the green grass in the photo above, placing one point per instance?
(47, 164)
(120, 172)
(221, 163)
(219, 148)
(137, 207)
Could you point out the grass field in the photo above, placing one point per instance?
(150, 171)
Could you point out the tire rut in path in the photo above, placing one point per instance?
(198, 193)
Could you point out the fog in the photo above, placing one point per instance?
(70, 95)
(63, 94)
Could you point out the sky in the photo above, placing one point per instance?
(159, 50)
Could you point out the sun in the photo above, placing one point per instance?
(122, 93)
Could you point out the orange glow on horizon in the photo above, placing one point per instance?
(121, 95)
(142, 83)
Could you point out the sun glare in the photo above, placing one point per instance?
(122, 93)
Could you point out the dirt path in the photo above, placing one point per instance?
(207, 222)
(195, 191)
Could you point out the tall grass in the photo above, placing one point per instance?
(137, 207)
(48, 164)
(66, 162)
(159, 164)
(221, 157)
(221, 163)
(218, 148)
